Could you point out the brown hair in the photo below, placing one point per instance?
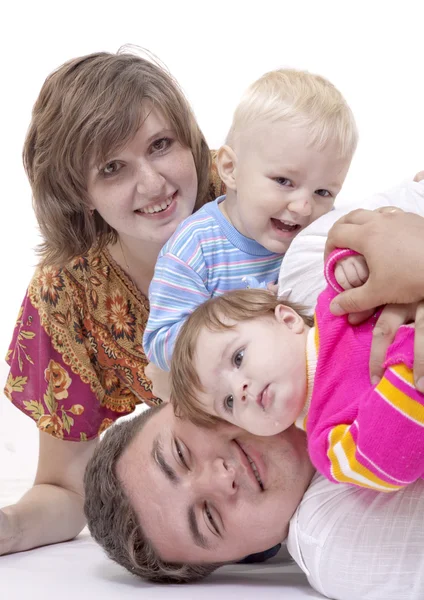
(113, 522)
(86, 109)
(214, 314)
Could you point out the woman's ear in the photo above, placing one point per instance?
(226, 161)
(290, 318)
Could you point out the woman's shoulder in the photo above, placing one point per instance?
(84, 279)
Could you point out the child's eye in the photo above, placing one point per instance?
(283, 181)
(229, 403)
(323, 193)
(238, 358)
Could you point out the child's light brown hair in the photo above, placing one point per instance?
(304, 100)
(216, 314)
(87, 109)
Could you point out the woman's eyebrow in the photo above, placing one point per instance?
(159, 459)
(159, 133)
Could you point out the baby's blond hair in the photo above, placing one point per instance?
(216, 314)
(303, 100)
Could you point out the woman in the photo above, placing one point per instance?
(116, 161)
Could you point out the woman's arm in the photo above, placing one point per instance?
(52, 510)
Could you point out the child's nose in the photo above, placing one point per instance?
(301, 206)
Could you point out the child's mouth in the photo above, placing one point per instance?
(285, 226)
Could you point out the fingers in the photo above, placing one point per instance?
(341, 276)
(419, 176)
(419, 347)
(344, 235)
(391, 318)
(362, 270)
(388, 209)
(360, 317)
(354, 300)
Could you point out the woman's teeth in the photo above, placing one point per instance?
(149, 210)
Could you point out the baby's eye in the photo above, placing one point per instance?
(229, 403)
(323, 193)
(238, 358)
(283, 181)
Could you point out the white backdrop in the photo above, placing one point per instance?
(372, 50)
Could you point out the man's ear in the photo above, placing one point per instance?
(226, 161)
(290, 318)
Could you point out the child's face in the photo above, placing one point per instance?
(282, 185)
(254, 374)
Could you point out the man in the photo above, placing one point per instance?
(171, 501)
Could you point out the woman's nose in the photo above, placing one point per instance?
(150, 182)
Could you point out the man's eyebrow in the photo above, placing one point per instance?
(198, 538)
(159, 459)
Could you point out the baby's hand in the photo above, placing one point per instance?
(351, 272)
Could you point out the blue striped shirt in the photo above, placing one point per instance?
(205, 257)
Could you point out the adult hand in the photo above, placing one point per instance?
(391, 318)
(392, 243)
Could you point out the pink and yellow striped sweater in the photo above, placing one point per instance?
(365, 435)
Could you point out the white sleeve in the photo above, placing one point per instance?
(302, 271)
(352, 543)
(356, 544)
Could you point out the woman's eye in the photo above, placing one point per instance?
(111, 168)
(324, 193)
(238, 358)
(229, 403)
(161, 144)
(283, 181)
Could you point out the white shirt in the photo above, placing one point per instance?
(353, 543)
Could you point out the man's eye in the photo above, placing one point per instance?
(211, 519)
(238, 358)
(229, 403)
(283, 181)
(324, 193)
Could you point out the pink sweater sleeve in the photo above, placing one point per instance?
(357, 433)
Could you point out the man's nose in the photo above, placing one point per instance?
(150, 182)
(302, 205)
(217, 478)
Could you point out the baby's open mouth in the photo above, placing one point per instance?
(285, 225)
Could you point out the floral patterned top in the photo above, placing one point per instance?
(76, 360)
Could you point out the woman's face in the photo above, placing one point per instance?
(147, 188)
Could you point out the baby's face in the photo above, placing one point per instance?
(254, 374)
(283, 183)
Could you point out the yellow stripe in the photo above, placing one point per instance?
(316, 333)
(341, 435)
(405, 372)
(403, 403)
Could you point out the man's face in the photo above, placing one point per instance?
(199, 498)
